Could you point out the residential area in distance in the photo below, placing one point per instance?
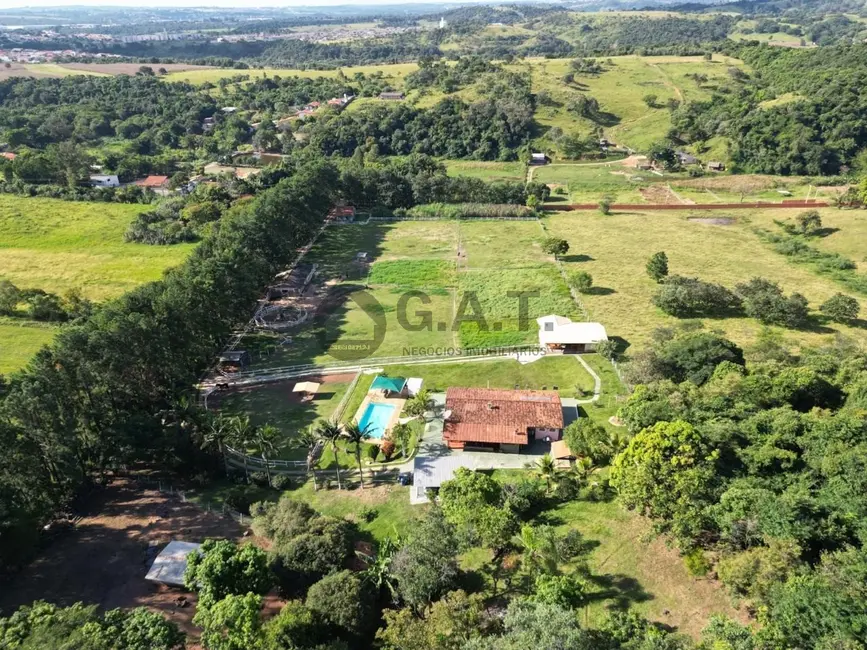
(434, 327)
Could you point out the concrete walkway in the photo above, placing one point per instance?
(597, 382)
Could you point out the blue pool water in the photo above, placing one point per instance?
(377, 417)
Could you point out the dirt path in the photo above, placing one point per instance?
(104, 558)
(667, 81)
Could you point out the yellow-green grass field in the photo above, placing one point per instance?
(615, 249)
(62, 245)
(487, 171)
(20, 340)
(620, 90)
(392, 70)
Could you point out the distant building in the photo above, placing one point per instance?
(686, 158)
(443, 23)
(392, 96)
(558, 333)
(501, 420)
(217, 169)
(229, 109)
(104, 180)
(8, 155)
(342, 214)
(539, 159)
(716, 166)
(159, 184)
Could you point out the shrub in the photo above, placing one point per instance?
(368, 514)
(840, 308)
(696, 563)
(764, 300)
(466, 211)
(581, 281)
(344, 600)
(259, 478)
(387, 448)
(281, 482)
(688, 297)
(605, 207)
(657, 266)
(241, 497)
(372, 452)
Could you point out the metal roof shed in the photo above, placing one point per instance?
(169, 566)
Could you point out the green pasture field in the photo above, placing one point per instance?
(487, 171)
(60, 245)
(496, 257)
(620, 91)
(20, 340)
(562, 371)
(589, 183)
(614, 250)
(393, 70)
(776, 38)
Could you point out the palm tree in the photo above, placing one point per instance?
(546, 468)
(217, 432)
(539, 549)
(356, 435)
(241, 434)
(401, 434)
(330, 433)
(265, 439)
(309, 441)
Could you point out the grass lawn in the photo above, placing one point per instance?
(487, 171)
(395, 70)
(394, 514)
(498, 245)
(20, 340)
(617, 248)
(60, 245)
(562, 371)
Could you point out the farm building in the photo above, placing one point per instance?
(558, 333)
(538, 159)
(169, 566)
(292, 282)
(716, 166)
(392, 96)
(685, 158)
(342, 214)
(104, 180)
(561, 454)
(501, 420)
(8, 155)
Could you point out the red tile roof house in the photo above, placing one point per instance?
(159, 184)
(502, 420)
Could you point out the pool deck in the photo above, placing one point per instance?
(378, 397)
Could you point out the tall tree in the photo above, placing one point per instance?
(356, 436)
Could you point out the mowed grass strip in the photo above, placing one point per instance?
(394, 70)
(60, 245)
(416, 274)
(487, 171)
(565, 372)
(617, 248)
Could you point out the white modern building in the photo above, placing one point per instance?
(558, 333)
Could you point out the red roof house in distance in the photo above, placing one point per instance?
(153, 182)
(8, 155)
(503, 420)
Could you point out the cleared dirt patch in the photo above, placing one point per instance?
(132, 68)
(712, 221)
(104, 558)
(659, 194)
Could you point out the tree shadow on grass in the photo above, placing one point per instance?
(600, 291)
(580, 257)
(623, 591)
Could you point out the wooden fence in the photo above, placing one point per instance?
(795, 203)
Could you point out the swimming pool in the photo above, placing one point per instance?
(376, 417)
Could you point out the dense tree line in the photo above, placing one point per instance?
(763, 464)
(100, 395)
(820, 132)
(493, 128)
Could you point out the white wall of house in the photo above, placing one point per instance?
(552, 434)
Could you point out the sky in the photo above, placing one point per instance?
(10, 4)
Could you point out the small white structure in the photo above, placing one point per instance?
(413, 386)
(561, 334)
(105, 180)
(538, 158)
(169, 566)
